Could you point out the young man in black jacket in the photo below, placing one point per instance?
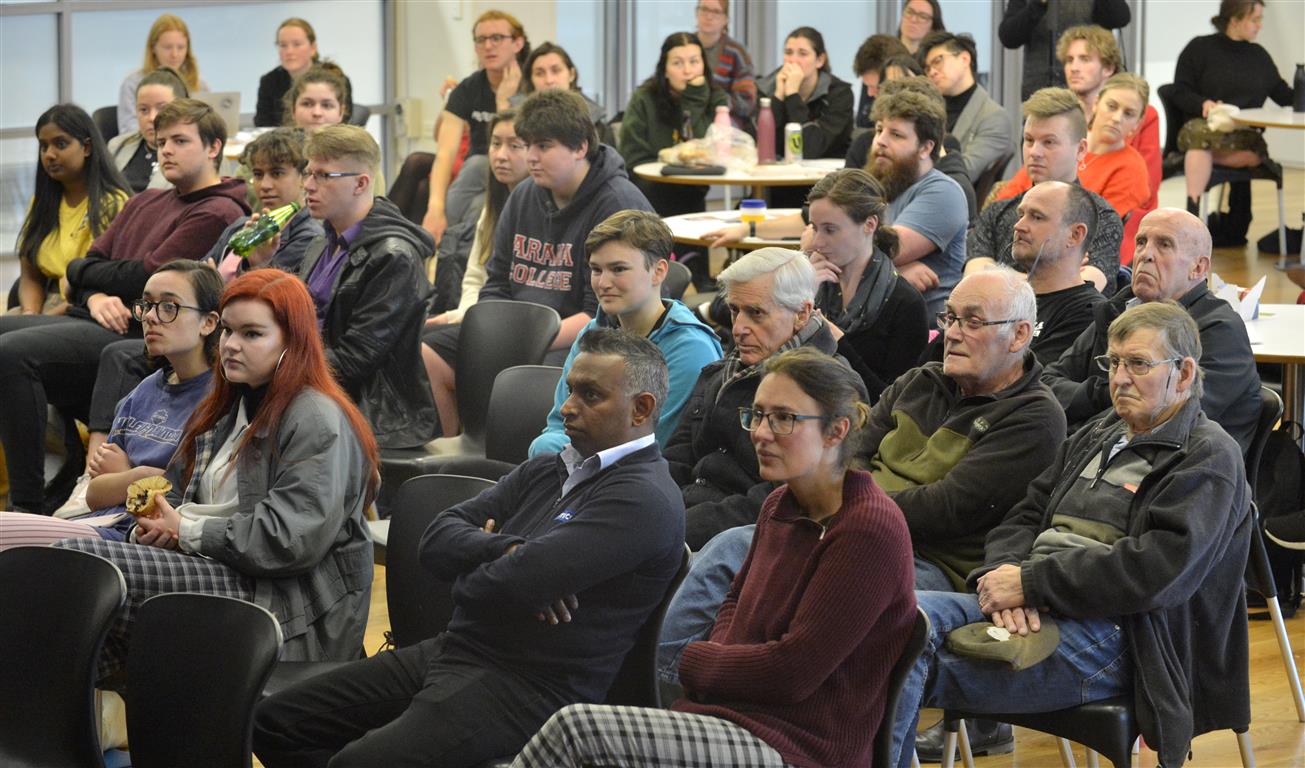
(367, 280)
(553, 573)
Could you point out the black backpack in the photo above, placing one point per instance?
(1280, 490)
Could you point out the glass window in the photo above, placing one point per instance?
(17, 182)
(654, 21)
(580, 32)
(29, 68)
(233, 45)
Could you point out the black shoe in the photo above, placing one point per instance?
(1194, 206)
(987, 737)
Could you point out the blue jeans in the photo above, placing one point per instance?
(693, 610)
(1089, 664)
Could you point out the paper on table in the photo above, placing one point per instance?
(1247, 306)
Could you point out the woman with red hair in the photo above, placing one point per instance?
(269, 485)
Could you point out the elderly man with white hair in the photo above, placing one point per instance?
(770, 293)
(954, 444)
(1120, 571)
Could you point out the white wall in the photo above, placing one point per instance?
(434, 41)
(1171, 24)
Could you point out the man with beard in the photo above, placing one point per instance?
(1055, 222)
(926, 208)
(1055, 140)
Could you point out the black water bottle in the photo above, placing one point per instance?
(1298, 90)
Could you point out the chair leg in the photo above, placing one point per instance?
(1244, 746)
(949, 748)
(1066, 753)
(1288, 661)
(1091, 758)
(967, 757)
(1282, 232)
(1205, 206)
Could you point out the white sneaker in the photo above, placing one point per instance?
(76, 503)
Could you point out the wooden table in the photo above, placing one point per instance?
(1278, 336)
(1274, 117)
(688, 228)
(804, 173)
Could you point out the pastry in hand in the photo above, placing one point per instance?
(140, 495)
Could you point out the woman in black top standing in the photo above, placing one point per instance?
(1226, 67)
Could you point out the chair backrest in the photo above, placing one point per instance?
(360, 114)
(55, 608)
(636, 683)
(983, 184)
(197, 666)
(1173, 116)
(420, 605)
(106, 119)
(1270, 412)
(678, 278)
(518, 409)
(897, 679)
(495, 335)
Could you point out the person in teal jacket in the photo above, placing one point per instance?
(628, 257)
(676, 104)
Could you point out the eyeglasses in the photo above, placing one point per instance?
(1135, 366)
(324, 176)
(165, 311)
(969, 322)
(705, 11)
(911, 13)
(937, 61)
(780, 423)
(490, 39)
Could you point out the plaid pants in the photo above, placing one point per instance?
(151, 571)
(597, 734)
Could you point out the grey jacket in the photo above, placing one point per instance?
(299, 533)
(985, 133)
(123, 146)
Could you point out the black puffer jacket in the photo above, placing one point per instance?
(372, 332)
(711, 456)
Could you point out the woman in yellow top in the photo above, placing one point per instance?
(78, 192)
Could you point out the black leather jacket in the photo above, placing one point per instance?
(372, 330)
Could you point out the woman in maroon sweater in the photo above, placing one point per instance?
(796, 669)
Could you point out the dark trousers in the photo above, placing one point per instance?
(44, 361)
(423, 705)
(123, 365)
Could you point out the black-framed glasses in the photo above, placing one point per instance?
(1136, 366)
(968, 322)
(165, 311)
(491, 39)
(781, 423)
(911, 13)
(937, 61)
(706, 11)
(321, 176)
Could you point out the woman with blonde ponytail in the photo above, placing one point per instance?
(797, 663)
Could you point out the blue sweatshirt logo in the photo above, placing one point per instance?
(564, 515)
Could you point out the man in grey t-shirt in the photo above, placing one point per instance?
(926, 208)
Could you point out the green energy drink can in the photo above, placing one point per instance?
(792, 142)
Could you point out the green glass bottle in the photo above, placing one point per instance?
(268, 225)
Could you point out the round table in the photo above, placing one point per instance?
(688, 228)
(800, 174)
(1272, 117)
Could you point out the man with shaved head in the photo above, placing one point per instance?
(1056, 222)
(1172, 261)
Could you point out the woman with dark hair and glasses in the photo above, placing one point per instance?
(728, 63)
(795, 671)
(919, 19)
(179, 313)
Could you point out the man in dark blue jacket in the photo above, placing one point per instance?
(554, 570)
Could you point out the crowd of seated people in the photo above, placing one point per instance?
(963, 403)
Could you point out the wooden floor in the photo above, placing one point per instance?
(1278, 738)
